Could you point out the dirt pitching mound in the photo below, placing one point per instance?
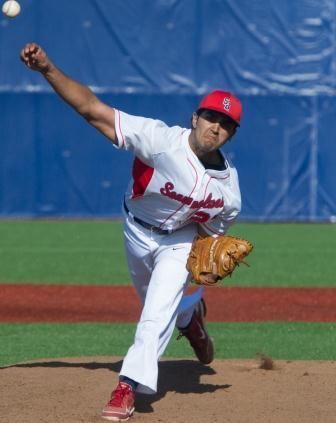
(72, 390)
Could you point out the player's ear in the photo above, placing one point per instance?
(194, 120)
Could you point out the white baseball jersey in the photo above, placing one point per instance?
(170, 187)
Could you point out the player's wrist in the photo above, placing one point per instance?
(48, 69)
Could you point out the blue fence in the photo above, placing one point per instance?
(157, 59)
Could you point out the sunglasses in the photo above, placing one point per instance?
(216, 117)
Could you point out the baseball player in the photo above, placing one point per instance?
(181, 186)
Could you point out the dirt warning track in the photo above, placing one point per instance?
(78, 303)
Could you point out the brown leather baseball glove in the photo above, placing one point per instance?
(217, 257)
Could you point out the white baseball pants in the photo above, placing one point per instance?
(157, 264)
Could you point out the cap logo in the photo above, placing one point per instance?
(227, 103)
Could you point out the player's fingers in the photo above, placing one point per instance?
(24, 52)
(26, 49)
(33, 47)
(30, 48)
(31, 53)
(23, 56)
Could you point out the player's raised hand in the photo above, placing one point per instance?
(35, 58)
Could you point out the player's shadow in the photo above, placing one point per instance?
(180, 376)
(58, 364)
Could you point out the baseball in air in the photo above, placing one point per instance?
(11, 8)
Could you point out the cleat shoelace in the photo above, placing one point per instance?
(118, 396)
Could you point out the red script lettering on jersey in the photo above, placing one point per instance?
(208, 203)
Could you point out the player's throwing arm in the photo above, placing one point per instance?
(78, 96)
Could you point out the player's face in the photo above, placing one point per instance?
(211, 130)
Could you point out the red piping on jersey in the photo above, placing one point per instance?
(142, 175)
(208, 228)
(206, 188)
(195, 210)
(179, 208)
(122, 135)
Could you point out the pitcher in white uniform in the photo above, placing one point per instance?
(181, 186)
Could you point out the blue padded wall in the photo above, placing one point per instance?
(157, 59)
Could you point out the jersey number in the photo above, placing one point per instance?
(200, 217)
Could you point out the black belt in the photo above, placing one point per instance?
(145, 224)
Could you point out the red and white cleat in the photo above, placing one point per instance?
(198, 336)
(121, 405)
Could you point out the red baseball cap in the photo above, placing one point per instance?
(223, 102)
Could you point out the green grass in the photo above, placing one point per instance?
(52, 252)
(91, 252)
(288, 341)
(288, 255)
